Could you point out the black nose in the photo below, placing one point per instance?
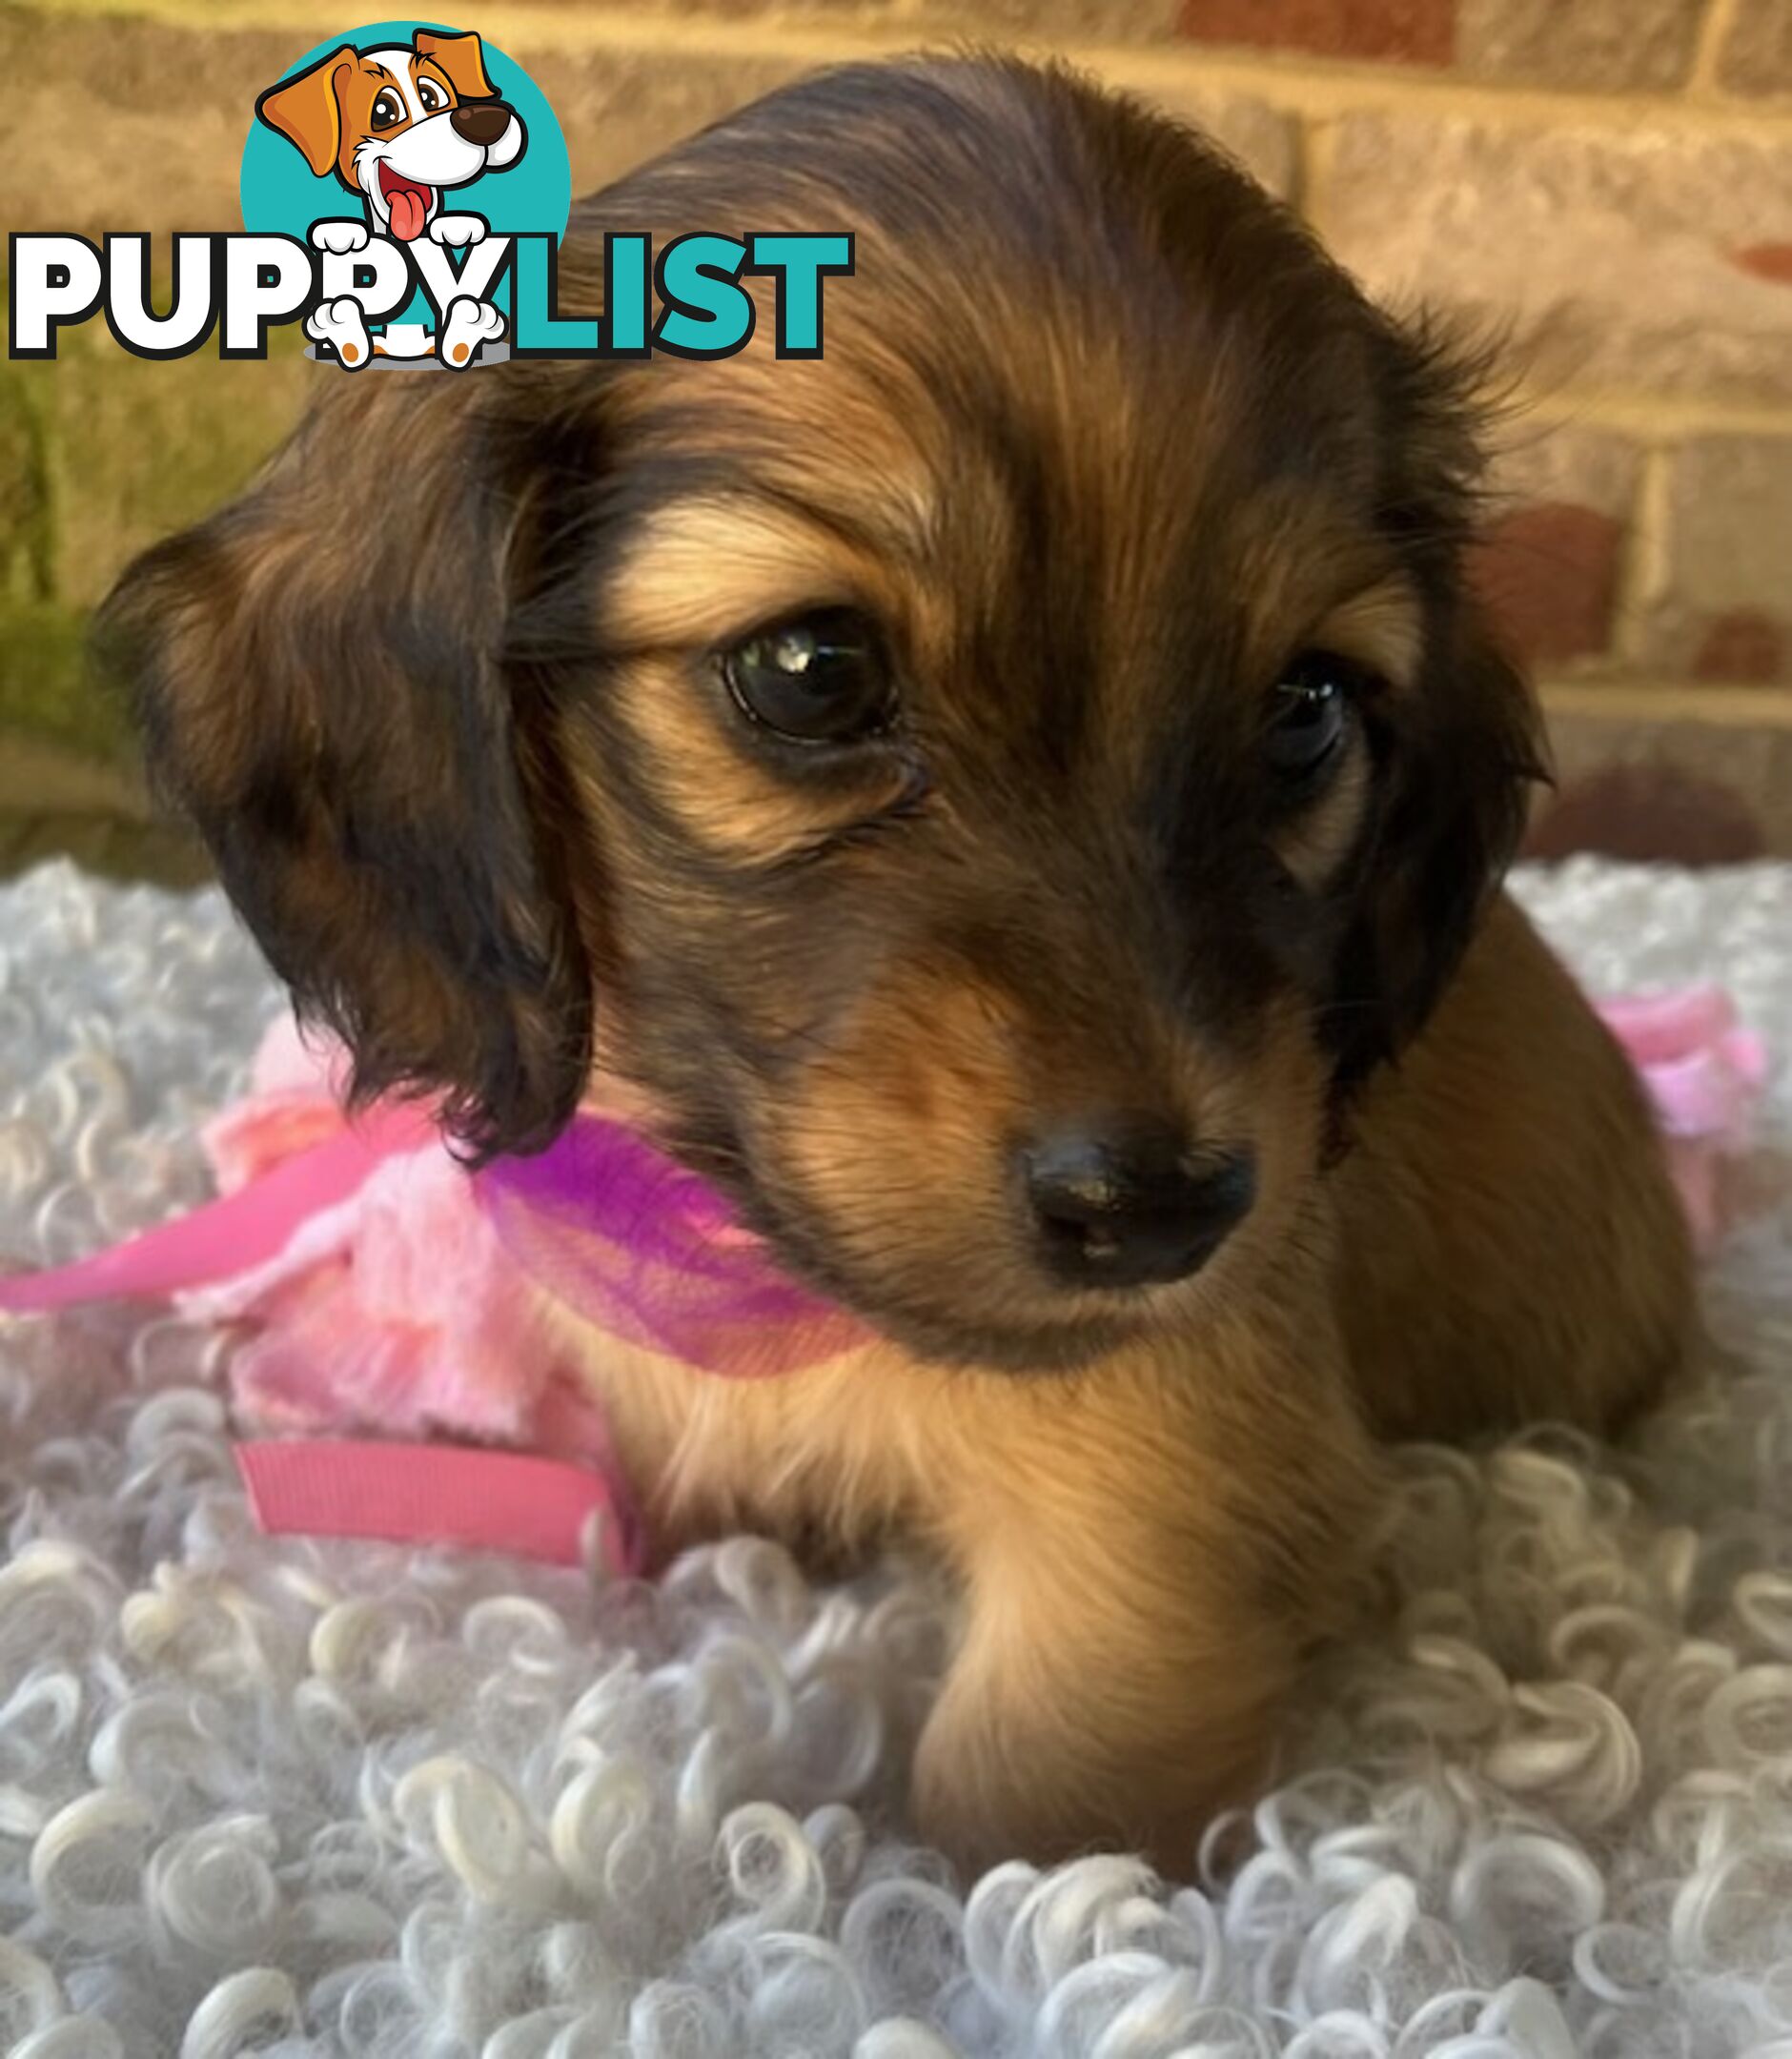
(483, 123)
(1123, 1202)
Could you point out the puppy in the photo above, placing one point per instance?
(1018, 801)
(398, 127)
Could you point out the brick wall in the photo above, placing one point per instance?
(1610, 181)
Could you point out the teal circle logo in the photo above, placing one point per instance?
(411, 133)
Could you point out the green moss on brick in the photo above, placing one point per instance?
(24, 519)
(140, 447)
(101, 455)
(47, 688)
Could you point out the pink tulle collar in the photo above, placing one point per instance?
(649, 1253)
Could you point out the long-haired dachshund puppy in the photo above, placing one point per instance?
(1019, 801)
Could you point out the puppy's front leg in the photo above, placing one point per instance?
(1130, 1634)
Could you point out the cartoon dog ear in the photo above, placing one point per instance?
(316, 673)
(307, 110)
(462, 56)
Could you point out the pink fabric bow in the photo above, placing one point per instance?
(387, 1292)
(1704, 1075)
(393, 1308)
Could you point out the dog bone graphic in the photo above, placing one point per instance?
(339, 237)
(470, 323)
(340, 323)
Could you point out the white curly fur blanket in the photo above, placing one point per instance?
(296, 1800)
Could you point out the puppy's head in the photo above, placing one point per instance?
(995, 787)
(397, 125)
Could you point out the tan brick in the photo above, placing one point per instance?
(1560, 506)
(138, 448)
(1068, 21)
(1610, 256)
(36, 777)
(1677, 789)
(1262, 138)
(620, 108)
(1408, 31)
(1537, 460)
(143, 120)
(988, 21)
(1597, 44)
(162, 110)
(1756, 54)
(1724, 606)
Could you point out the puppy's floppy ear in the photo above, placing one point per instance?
(1457, 749)
(461, 56)
(316, 671)
(308, 112)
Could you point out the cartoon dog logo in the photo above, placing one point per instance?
(399, 127)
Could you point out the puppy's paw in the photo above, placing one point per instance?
(343, 327)
(458, 229)
(470, 323)
(339, 237)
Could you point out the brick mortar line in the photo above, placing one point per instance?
(1296, 84)
(1313, 139)
(1714, 32)
(1713, 705)
(1646, 559)
(1658, 420)
(1313, 86)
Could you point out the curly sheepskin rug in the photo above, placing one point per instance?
(295, 1800)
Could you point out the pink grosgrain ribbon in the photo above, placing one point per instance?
(476, 1498)
(603, 1221)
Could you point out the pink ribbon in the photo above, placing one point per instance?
(608, 1225)
(1704, 1075)
(229, 1235)
(435, 1494)
(603, 1221)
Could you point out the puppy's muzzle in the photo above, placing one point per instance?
(1122, 1201)
(482, 124)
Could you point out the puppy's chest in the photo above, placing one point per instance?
(841, 1453)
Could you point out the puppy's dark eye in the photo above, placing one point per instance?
(1310, 713)
(430, 96)
(388, 108)
(817, 678)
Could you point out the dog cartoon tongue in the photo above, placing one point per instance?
(408, 203)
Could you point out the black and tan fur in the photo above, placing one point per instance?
(1100, 439)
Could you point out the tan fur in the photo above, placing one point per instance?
(1317, 843)
(1381, 627)
(1148, 1547)
(1510, 1156)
